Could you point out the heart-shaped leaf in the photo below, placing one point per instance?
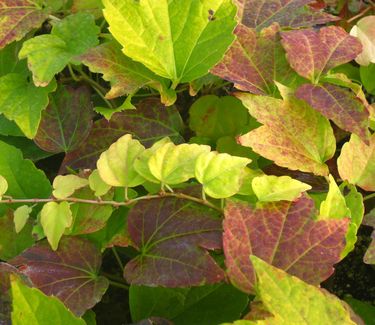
(70, 273)
(65, 186)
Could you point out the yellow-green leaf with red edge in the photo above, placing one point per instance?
(285, 235)
(311, 53)
(338, 104)
(18, 17)
(293, 134)
(356, 163)
(254, 62)
(70, 273)
(173, 236)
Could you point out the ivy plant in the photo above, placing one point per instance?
(186, 162)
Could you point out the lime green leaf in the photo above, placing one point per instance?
(273, 188)
(3, 186)
(247, 179)
(171, 164)
(356, 163)
(293, 301)
(55, 218)
(49, 54)
(293, 134)
(97, 184)
(116, 165)
(64, 186)
(220, 174)
(174, 39)
(22, 102)
(31, 306)
(21, 215)
(367, 77)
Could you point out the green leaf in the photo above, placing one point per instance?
(177, 37)
(22, 102)
(367, 77)
(215, 117)
(171, 164)
(220, 174)
(204, 305)
(9, 62)
(65, 186)
(24, 179)
(94, 7)
(273, 188)
(21, 215)
(3, 186)
(48, 54)
(365, 310)
(97, 184)
(116, 165)
(31, 306)
(292, 301)
(55, 218)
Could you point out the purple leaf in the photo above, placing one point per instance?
(70, 273)
(285, 235)
(173, 236)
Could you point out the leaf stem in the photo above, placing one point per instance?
(118, 259)
(118, 285)
(369, 197)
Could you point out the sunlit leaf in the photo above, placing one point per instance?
(21, 215)
(70, 273)
(172, 236)
(293, 135)
(311, 53)
(3, 186)
(55, 218)
(365, 31)
(285, 235)
(67, 121)
(97, 184)
(22, 102)
(356, 163)
(116, 165)
(220, 174)
(48, 54)
(177, 37)
(273, 188)
(31, 306)
(65, 186)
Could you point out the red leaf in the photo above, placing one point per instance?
(70, 273)
(172, 236)
(283, 234)
(150, 122)
(338, 104)
(311, 53)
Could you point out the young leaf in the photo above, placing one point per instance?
(364, 30)
(48, 54)
(31, 306)
(254, 62)
(172, 236)
(3, 186)
(21, 215)
(116, 165)
(22, 102)
(70, 273)
(287, 13)
(177, 38)
(273, 188)
(97, 184)
(24, 179)
(171, 164)
(11, 242)
(55, 218)
(356, 163)
(338, 104)
(220, 174)
(17, 18)
(311, 53)
(65, 186)
(293, 135)
(215, 117)
(67, 121)
(292, 301)
(150, 122)
(294, 241)
(125, 75)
